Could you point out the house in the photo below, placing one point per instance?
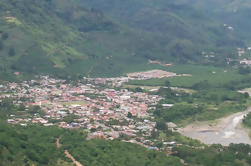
(167, 105)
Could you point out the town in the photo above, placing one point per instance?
(102, 111)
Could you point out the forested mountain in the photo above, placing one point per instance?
(100, 38)
(59, 36)
(235, 13)
(184, 28)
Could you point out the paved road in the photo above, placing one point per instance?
(227, 130)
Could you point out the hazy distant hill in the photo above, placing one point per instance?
(104, 37)
(235, 13)
(184, 29)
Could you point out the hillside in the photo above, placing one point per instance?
(92, 38)
(36, 145)
(235, 13)
(184, 30)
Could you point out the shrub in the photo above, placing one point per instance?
(12, 51)
(1, 45)
(5, 36)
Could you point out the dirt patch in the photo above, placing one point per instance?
(68, 155)
(151, 74)
(58, 143)
(247, 90)
(159, 63)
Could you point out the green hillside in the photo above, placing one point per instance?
(63, 37)
(36, 145)
(103, 38)
(235, 13)
(184, 30)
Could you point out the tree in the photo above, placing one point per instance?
(12, 51)
(167, 83)
(5, 36)
(129, 115)
(154, 134)
(246, 95)
(201, 85)
(161, 125)
(138, 89)
(244, 70)
(93, 130)
(1, 45)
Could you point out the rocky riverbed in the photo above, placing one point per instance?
(225, 131)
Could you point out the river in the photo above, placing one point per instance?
(225, 131)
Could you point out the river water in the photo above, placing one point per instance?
(225, 131)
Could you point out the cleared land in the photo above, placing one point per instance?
(214, 76)
(151, 74)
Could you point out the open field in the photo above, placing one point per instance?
(214, 75)
(151, 74)
(75, 103)
(246, 90)
(147, 88)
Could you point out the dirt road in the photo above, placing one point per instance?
(67, 154)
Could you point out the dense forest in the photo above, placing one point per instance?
(89, 38)
(37, 145)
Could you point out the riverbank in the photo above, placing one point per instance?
(223, 131)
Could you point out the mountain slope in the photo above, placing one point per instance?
(235, 13)
(70, 37)
(61, 36)
(170, 21)
(36, 145)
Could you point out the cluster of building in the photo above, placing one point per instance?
(151, 74)
(230, 28)
(103, 112)
(159, 63)
(241, 51)
(245, 62)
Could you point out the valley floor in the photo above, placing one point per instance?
(224, 131)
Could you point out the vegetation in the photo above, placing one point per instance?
(215, 76)
(217, 155)
(234, 13)
(76, 38)
(89, 38)
(100, 153)
(27, 146)
(35, 144)
(247, 120)
(211, 93)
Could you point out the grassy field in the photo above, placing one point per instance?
(208, 94)
(74, 103)
(214, 75)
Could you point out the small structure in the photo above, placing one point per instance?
(171, 126)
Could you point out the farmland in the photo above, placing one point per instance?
(214, 75)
